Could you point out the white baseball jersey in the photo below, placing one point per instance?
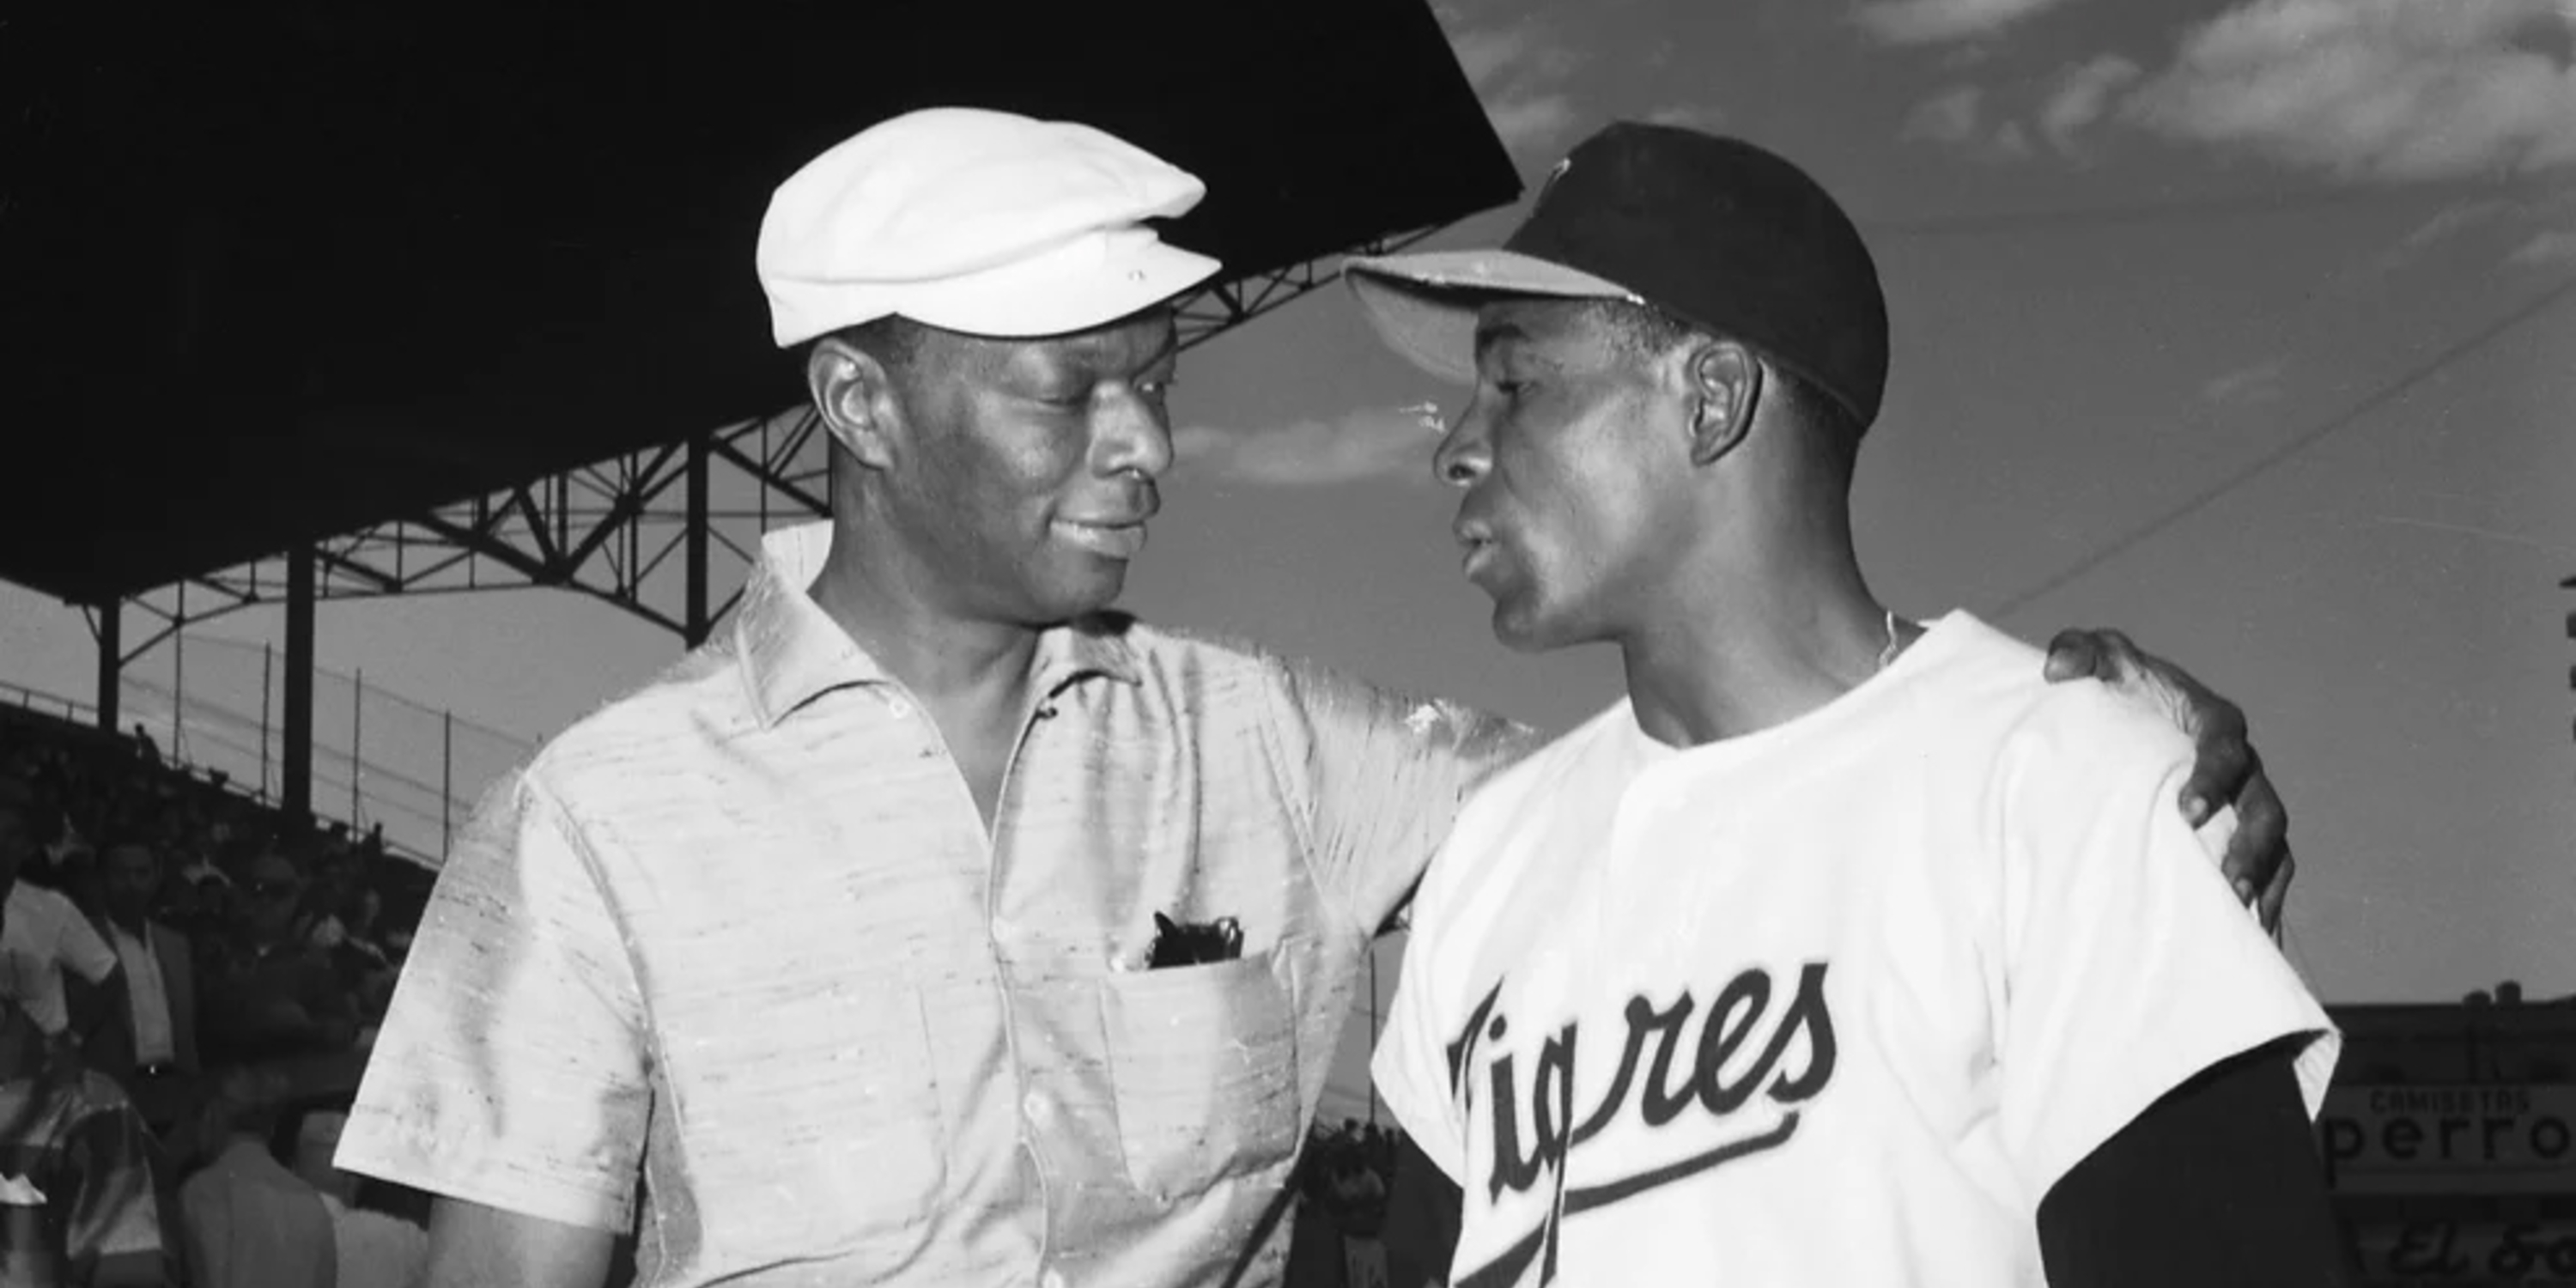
(1832, 1003)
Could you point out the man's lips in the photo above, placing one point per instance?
(1480, 542)
(1110, 538)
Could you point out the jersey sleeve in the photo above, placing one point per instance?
(2129, 965)
(1379, 778)
(1412, 1067)
(511, 1066)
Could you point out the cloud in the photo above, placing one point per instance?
(2543, 225)
(2255, 384)
(1923, 22)
(1955, 118)
(2452, 221)
(1696, 116)
(1519, 70)
(1527, 126)
(2553, 248)
(2383, 90)
(1375, 443)
(2457, 220)
(2081, 96)
(1946, 117)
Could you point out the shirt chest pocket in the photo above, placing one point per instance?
(812, 1122)
(1203, 1062)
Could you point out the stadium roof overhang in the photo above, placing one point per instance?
(271, 273)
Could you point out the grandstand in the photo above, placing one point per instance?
(264, 165)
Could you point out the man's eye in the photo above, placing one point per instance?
(1512, 388)
(1157, 389)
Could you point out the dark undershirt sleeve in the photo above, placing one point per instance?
(2216, 1185)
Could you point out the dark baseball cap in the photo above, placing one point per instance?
(1712, 230)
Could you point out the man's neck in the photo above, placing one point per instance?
(1744, 654)
(932, 652)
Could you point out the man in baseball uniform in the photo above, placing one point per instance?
(1844, 950)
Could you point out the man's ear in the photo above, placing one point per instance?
(1725, 384)
(855, 396)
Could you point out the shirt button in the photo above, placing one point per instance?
(1051, 1279)
(898, 708)
(1035, 1106)
(1003, 929)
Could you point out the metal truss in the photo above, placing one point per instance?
(651, 531)
(1208, 313)
(641, 531)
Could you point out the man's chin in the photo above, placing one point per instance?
(1081, 596)
(1525, 623)
(1522, 631)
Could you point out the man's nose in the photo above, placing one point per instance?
(1465, 451)
(1134, 434)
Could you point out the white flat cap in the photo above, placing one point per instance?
(975, 221)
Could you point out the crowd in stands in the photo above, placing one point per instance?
(189, 983)
(1342, 1184)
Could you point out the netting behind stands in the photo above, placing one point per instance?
(378, 757)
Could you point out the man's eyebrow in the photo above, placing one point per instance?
(1490, 334)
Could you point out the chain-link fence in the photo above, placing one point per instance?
(378, 757)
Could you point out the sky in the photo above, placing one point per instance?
(2244, 327)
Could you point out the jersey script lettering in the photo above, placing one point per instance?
(1669, 1090)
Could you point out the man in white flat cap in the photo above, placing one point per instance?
(937, 925)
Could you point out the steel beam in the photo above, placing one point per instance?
(295, 766)
(108, 624)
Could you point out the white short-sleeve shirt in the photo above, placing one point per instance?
(1833, 1003)
(45, 936)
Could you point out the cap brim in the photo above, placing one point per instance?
(1024, 305)
(1424, 305)
(1048, 296)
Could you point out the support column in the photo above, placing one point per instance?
(111, 660)
(697, 624)
(295, 766)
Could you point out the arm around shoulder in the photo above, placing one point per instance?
(1382, 775)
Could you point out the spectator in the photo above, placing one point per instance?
(44, 934)
(154, 1054)
(249, 1221)
(272, 992)
(72, 1138)
(376, 1248)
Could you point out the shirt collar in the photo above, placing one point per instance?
(793, 652)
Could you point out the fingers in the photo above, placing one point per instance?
(2276, 895)
(2262, 837)
(2072, 655)
(2224, 765)
(2101, 653)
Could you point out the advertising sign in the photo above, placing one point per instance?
(2453, 1254)
(2451, 1139)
